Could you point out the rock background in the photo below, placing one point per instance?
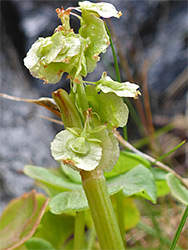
(155, 31)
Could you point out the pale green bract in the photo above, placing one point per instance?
(105, 10)
(76, 152)
(93, 28)
(65, 51)
(124, 89)
(50, 57)
(111, 109)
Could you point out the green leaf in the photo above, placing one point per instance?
(162, 188)
(105, 10)
(159, 174)
(177, 189)
(39, 244)
(92, 27)
(68, 202)
(50, 179)
(127, 161)
(74, 201)
(21, 218)
(131, 213)
(161, 182)
(124, 89)
(138, 181)
(65, 149)
(56, 229)
(71, 174)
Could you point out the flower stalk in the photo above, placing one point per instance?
(102, 212)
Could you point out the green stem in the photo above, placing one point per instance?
(79, 230)
(114, 54)
(120, 215)
(102, 212)
(91, 238)
(180, 227)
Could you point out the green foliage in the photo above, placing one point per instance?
(50, 179)
(21, 218)
(177, 189)
(39, 244)
(161, 182)
(131, 214)
(56, 229)
(127, 161)
(138, 181)
(69, 202)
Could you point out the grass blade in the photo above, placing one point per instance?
(180, 227)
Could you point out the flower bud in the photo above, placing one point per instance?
(69, 114)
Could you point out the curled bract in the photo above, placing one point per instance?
(123, 89)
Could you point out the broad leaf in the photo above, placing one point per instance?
(124, 89)
(161, 182)
(38, 244)
(72, 174)
(162, 188)
(177, 189)
(56, 229)
(76, 152)
(68, 202)
(75, 201)
(52, 180)
(21, 218)
(126, 161)
(105, 10)
(138, 181)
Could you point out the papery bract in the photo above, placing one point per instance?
(123, 89)
(105, 10)
(92, 27)
(64, 149)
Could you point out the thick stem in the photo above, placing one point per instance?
(79, 230)
(102, 212)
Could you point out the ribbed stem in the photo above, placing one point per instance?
(102, 212)
(79, 230)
